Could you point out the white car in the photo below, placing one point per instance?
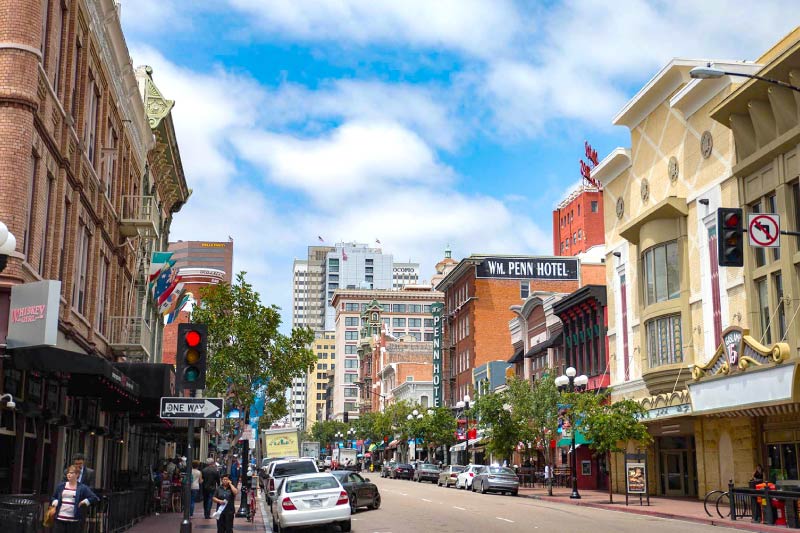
(465, 478)
(310, 500)
(327, 462)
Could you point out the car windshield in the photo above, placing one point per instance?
(290, 469)
(401, 465)
(456, 468)
(317, 483)
(340, 473)
(501, 470)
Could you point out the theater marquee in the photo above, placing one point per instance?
(544, 268)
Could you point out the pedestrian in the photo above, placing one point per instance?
(210, 481)
(197, 479)
(71, 499)
(85, 474)
(172, 467)
(235, 470)
(758, 475)
(225, 498)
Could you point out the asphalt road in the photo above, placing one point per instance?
(409, 507)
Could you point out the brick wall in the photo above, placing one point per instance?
(578, 216)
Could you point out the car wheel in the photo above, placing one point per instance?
(376, 502)
(353, 506)
(346, 526)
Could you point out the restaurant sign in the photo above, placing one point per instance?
(33, 315)
(436, 311)
(544, 268)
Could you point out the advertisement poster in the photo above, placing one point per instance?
(636, 474)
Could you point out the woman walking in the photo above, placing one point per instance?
(197, 479)
(71, 500)
(225, 495)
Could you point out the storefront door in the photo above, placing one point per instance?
(674, 466)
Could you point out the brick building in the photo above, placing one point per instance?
(578, 221)
(91, 177)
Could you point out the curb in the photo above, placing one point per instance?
(741, 525)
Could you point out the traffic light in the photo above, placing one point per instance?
(346, 417)
(192, 355)
(730, 238)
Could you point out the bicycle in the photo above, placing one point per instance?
(251, 500)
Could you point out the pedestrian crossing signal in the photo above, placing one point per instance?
(730, 238)
(192, 355)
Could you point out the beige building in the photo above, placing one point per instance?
(324, 348)
(697, 344)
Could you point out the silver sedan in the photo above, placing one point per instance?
(496, 479)
(310, 500)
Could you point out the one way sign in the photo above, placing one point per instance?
(201, 408)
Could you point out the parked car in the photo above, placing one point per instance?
(279, 470)
(327, 462)
(402, 471)
(361, 491)
(496, 479)
(263, 472)
(426, 472)
(310, 500)
(465, 477)
(448, 475)
(386, 468)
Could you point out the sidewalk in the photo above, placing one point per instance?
(171, 523)
(689, 510)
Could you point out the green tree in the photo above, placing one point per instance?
(245, 347)
(542, 412)
(501, 427)
(609, 426)
(438, 428)
(323, 431)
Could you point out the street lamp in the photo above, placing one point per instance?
(418, 416)
(8, 243)
(570, 382)
(464, 407)
(708, 72)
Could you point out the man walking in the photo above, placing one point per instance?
(85, 474)
(210, 482)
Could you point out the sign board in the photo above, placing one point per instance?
(764, 230)
(636, 478)
(544, 268)
(198, 408)
(33, 314)
(438, 339)
(665, 412)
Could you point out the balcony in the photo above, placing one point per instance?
(130, 336)
(139, 216)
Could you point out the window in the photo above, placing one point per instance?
(81, 267)
(62, 252)
(76, 65)
(110, 161)
(416, 335)
(409, 378)
(777, 280)
(351, 321)
(428, 323)
(386, 322)
(368, 278)
(796, 196)
(579, 234)
(579, 209)
(58, 26)
(594, 206)
(415, 322)
(661, 273)
(350, 378)
(664, 341)
(28, 235)
(48, 193)
(426, 308)
(349, 406)
(524, 289)
(333, 278)
(90, 119)
(350, 392)
(102, 282)
(399, 308)
(562, 247)
(350, 307)
(760, 257)
(45, 17)
(351, 363)
(763, 310)
(351, 335)
(428, 337)
(414, 308)
(574, 239)
(398, 322)
(772, 205)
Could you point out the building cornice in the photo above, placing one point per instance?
(385, 294)
(612, 166)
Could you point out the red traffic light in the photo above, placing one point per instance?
(192, 338)
(731, 220)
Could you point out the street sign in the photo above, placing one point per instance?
(198, 408)
(764, 230)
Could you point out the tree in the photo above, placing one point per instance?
(609, 426)
(324, 430)
(542, 412)
(438, 428)
(496, 418)
(245, 347)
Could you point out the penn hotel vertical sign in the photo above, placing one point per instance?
(436, 311)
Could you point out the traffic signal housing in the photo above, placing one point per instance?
(730, 238)
(192, 355)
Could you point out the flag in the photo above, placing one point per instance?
(169, 290)
(378, 241)
(171, 301)
(320, 238)
(344, 255)
(157, 262)
(185, 299)
(165, 278)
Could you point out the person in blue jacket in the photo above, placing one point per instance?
(71, 500)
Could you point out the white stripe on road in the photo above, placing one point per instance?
(427, 500)
(505, 519)
(459, 508)
(403, 494)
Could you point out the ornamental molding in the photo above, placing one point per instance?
(739, 352)
(666, 399)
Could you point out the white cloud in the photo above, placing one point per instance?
(358, 156)
(481, 28)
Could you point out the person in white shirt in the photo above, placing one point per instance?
(197, 479)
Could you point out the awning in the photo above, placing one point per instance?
(517, 357)
(544, 345)
(462, 446)
(580, 438)
(155, 379)
(755, 388)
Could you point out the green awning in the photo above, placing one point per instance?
(580, 438)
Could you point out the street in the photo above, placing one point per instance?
(424, 507)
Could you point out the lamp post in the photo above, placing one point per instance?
(336, 437)
(8, 243)
(708, 72)
(570, 382)
(464, 406)
(416, 415)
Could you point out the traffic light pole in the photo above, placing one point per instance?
(186, 525)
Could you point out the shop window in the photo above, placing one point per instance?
(661, 273)
(763, 311)
(664, 341)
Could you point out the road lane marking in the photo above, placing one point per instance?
(504, 519)
(459, 508)
(403, 494)
(427, 500)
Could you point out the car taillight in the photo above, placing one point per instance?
(271, 485)
(343, 499)
(288, 505)
(471, 474)
(453, 475)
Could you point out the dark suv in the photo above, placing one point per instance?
(279, 470)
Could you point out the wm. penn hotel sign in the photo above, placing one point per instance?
(544, 268)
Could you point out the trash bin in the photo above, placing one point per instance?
(19, 514)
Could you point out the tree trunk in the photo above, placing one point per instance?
(608, 469)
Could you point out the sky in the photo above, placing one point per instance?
(417, 123)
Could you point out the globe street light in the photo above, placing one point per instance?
(570, 382)
(464, 407)
(708, 72)
(8, 243)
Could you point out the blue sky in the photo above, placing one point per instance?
(420, 123)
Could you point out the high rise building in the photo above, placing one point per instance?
(204, 254)
(324, 348)
(404, 274)
(578, 221)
